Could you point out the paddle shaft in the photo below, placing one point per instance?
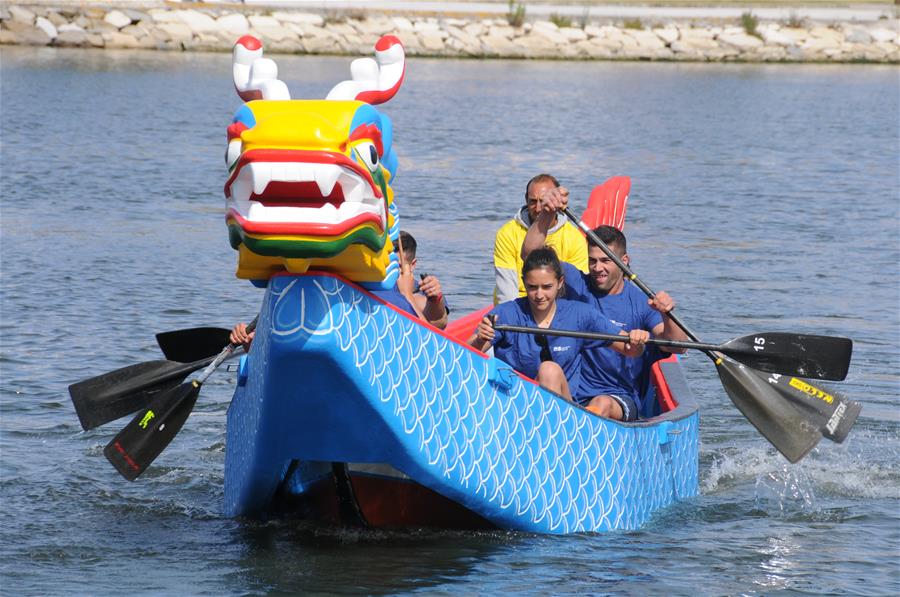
(632, 276)
(226, 352)
(609, 337)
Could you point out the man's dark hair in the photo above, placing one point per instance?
(540, 178)
(409, 245)
(610, 236)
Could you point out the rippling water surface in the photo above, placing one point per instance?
(764, 198)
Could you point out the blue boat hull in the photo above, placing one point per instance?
(336, 376)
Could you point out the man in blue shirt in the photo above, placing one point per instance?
(614, 381)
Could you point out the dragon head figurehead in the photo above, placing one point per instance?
(309, 181)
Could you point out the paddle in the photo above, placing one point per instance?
(154, 427)
(835, 413)
(113, 395)
(105, 398)
(774, 352)
(192, 344)
(790, 428)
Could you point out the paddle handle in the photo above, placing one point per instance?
(226, 352)
(625, 269)
(608, 337)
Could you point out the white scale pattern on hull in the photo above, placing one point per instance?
(517, 455)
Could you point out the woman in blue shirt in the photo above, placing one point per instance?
(553, 361)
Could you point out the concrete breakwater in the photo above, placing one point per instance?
(215, 28)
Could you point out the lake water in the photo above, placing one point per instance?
(765, 197)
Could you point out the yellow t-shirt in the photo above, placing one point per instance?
(567, 240)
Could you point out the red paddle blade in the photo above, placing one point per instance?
(608, 203)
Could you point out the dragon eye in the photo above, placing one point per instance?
(368, 154)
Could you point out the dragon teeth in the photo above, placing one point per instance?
(326, 176)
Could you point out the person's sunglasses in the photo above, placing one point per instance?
(545, 348)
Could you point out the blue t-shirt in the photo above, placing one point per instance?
(522, 351)
(604, 370)
(394, 297)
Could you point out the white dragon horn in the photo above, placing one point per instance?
(374, 81)
(255, 77)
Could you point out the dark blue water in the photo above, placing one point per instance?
(764, 198)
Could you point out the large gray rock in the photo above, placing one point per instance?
(573, 34)
(502, 31)
(165, 16)
(69, 27)
(341, 29)
(883, 35)
(30, 36)
(857, 36)
(465, 38)
(136, 16)
(373, 27)
(833, 37)
(646, 40)
(589, 49)
(667, 34)
(198, 22)
(798, 34)
(117, 39)
(22, 15)
(178, 32)
(741, 41)
(607, 44)
(299, 18)
(551, 34)
(432, 42)
(498, 45)
(319, 45)
(208, 42)
(46, 26)
(117, 19)
(99, 26)
(701, 43)
(686, 50)
(234, 23)
(270, 29)
(773, 36)
(402, 24)
(818, 44)
(57, 19)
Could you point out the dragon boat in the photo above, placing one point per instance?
(348, 409)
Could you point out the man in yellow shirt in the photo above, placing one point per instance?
(565, 238)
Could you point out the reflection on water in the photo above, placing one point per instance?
(765, 197)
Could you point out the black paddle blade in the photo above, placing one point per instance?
(119, 393)
(193, 344)
(148, 434)
(835, 414)
(804, 355)
(792, 430)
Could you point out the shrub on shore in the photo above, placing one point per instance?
(515, 16)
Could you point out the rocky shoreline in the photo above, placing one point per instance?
(162, 26)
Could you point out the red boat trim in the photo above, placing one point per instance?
(664, 394)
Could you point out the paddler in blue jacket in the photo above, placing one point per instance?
(555, 362)
(613, 381)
